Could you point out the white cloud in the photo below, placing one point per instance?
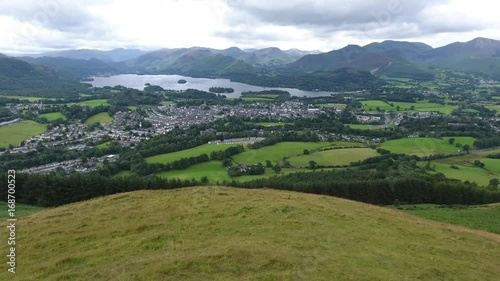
(42, 25)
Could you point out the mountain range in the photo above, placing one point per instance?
(266, 67)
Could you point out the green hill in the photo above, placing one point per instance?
(20, 78)
(212, 233)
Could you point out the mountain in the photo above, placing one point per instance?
(387, 58)
(76, 68)
(192, 62)
(296, 54)
(219, 233)
(116, 55)
(268, 56)
(21, 78)
(480, 55)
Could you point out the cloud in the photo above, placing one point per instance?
(41, 25)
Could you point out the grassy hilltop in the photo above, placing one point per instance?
(217, 233)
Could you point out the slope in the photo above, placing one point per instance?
(217, 233)
(20, 78)
(75, 68)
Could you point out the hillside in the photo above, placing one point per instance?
(479, 55)
(388, 58)
(21, 78)
(116, 55)
(212, 233)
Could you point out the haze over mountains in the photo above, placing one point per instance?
(271, 66)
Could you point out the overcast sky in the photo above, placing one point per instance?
(29, 26)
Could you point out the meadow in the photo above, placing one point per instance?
(426, 146)
(101, 118)
(193, 152)
(284, 149)
(485, 217)
(465, 170)
(16, 133)
(333, 105)
(421, 106)
(271, 124)
(365, 126)
(94, 103)
(53, 116)
(21, 210)
(334, 157)
(218, 233)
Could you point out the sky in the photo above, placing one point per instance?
(34, 26)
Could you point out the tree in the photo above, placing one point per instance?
(277, 169)
(466, 148)
(313, 165)
(494, 183)
(269, 164)
(451, 140)
(204, 180)
(306, 152)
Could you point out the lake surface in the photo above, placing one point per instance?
(170, 82)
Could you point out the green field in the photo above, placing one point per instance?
(334, 157)
(494, 107)
(271, 124)
(485, 217)
(465, 169)
(94, 103)
(284, 149)
(217, 233)
(332, 105)
(102, 118)
(21, 210)
(371, 105)
(167, 102)
(16, 133)
(425, 146)
(53, 116)
(193, 152)
(365, 127)
(31, 99)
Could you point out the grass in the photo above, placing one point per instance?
(193, 152)
(254, 99)
(465, 169)
(271, 124)
(333, 105)
(425, 146)
(365, 127)
(494, 107)
(218, 233)
(421, 106)
(94, 103)
(167, 102)
(53, 116)
(102, 118)
(123, 174)
(284, 149)
(16, 133)
(485, 217)
(334, 157)
(30, 99)
(21, 210)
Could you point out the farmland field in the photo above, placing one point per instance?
(102, 118)
(371, 105)
(193, 152)
(31, 99)
(425, 146)
(16, 133)
(334, 157)
(365, 126)
(94, 103)
(271, 124)
(333, 105)
(284, 149)
(465, 169)
(53, 116)
(485, 217)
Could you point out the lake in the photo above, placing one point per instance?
(170, 82)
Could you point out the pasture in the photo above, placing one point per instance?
(421, 106)
(16, 133)
(53, 116)
(486, 217)
(101, 118)
(284, 149)
(334, 157)
(94, 103)
(192, 152)
(426, 146)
